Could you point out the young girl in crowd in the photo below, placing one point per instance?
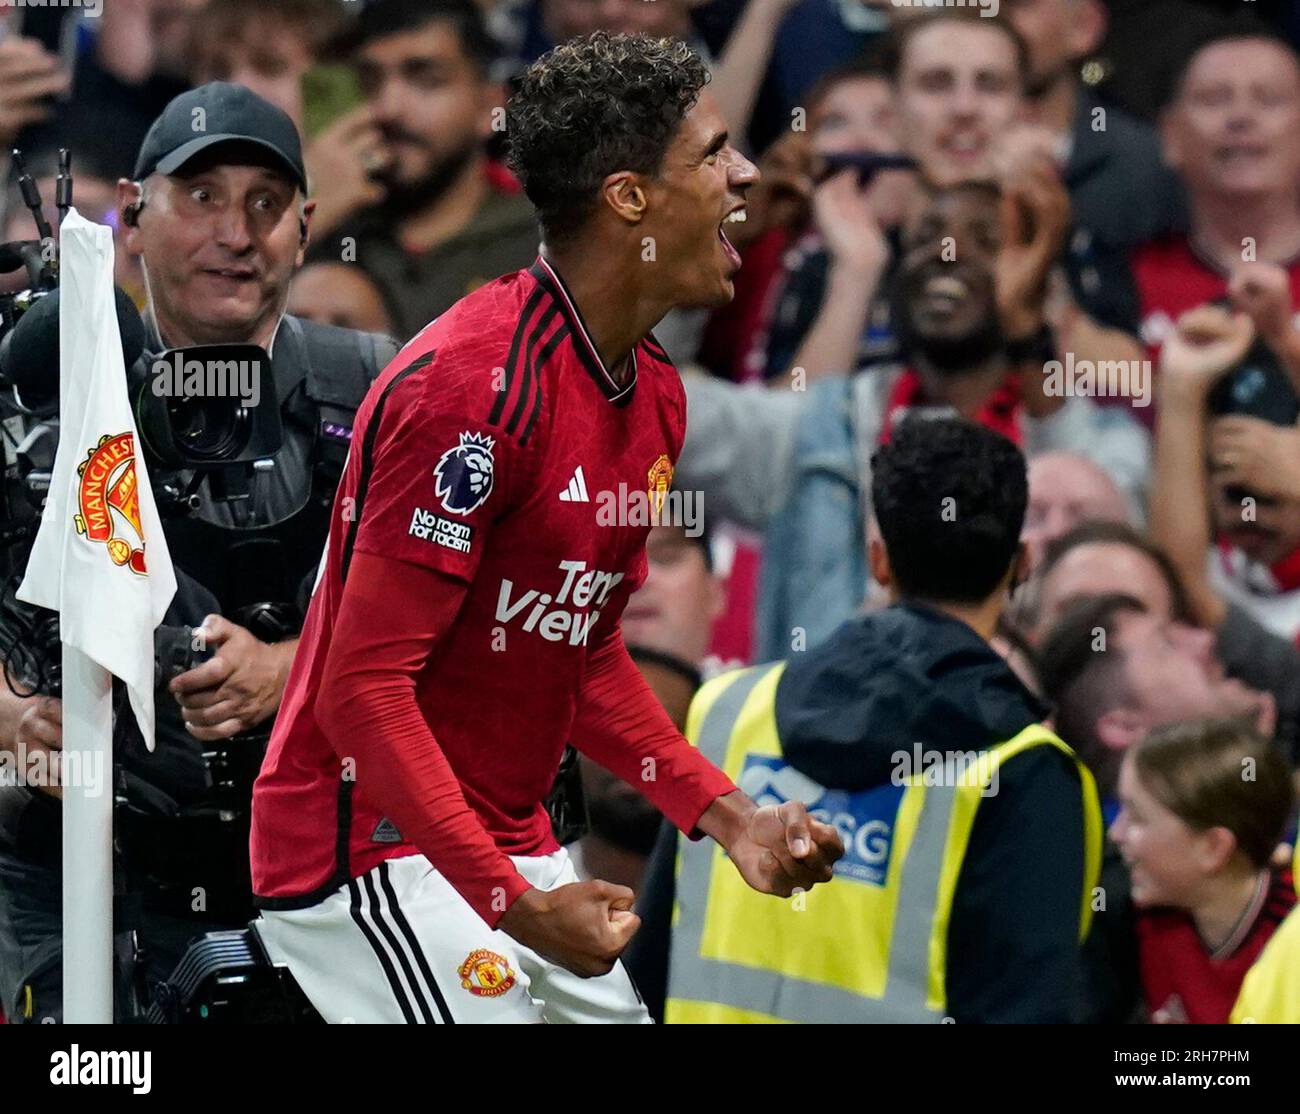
(1202, 810)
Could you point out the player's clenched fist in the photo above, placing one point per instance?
(783, 849)
(583, 926)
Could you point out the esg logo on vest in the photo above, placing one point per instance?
(865, 820)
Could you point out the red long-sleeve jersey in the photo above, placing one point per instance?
(489, 528)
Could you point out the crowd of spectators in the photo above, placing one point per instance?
(1076, 222)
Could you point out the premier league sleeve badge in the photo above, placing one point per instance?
(463, 474)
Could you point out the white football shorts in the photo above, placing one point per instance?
(399, 944)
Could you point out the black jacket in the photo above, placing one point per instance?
(321, 374)
(880, 684)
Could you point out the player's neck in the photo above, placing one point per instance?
(615, 310)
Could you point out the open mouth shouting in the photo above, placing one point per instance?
(738, 215)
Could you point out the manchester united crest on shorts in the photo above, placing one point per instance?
(486, 974)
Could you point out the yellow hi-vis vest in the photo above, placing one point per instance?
(871, 944)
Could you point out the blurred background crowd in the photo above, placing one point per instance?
(948, 197)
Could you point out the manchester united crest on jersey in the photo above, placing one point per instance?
(660, 478)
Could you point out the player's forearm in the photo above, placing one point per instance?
(388, 623)
(726, 818)
(1180, 520)
(402, 772)
(622, 725)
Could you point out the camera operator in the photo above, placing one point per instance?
(219, 217)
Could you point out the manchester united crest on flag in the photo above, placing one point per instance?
(100, 519)
(108, 500)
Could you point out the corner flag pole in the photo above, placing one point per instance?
(88, 563)
(87, 841)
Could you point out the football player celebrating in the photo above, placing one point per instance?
(466, 623)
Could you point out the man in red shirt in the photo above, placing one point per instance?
(1232, 131)
(466, 624)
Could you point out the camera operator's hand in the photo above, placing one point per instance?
(29, 74)
(238, 688)
(1257, 455)
(40, 731)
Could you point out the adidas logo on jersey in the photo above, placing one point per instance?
(582, 587)
(385, 832)
(576, 492)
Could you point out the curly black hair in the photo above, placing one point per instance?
(950, 500)
(591, 107)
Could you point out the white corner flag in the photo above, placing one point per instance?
(89, 561)
(100, 561)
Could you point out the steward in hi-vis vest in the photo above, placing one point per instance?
(973, 838)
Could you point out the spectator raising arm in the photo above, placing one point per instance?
(1035, 219)
(859, 254)
(1207, 342)
(29, 76)
(340, 162)
(127, 44)
(1036, 223)
(740, 71)
(1263, 290)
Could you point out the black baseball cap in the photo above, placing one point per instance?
(230, 114)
